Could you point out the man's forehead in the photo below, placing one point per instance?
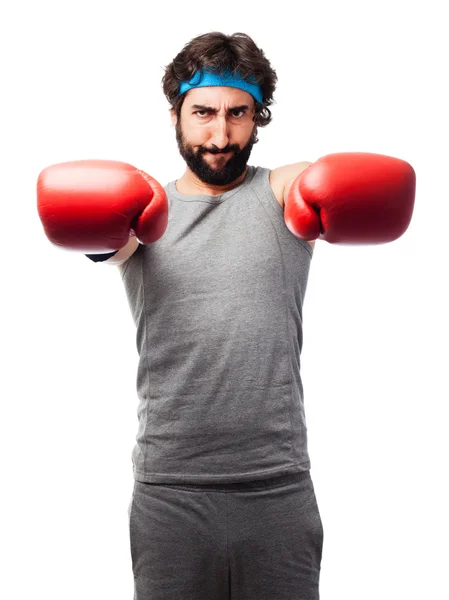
(217, 97)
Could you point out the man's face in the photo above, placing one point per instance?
(216, 133)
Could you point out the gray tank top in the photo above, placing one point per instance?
(217, 303)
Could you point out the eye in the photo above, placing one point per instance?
(235, 113)
(205, 112)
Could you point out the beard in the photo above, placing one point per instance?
(219, 175)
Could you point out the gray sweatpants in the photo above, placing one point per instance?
(259, 540)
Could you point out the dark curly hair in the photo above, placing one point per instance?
(219, 52)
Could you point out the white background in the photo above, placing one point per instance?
(82, 80)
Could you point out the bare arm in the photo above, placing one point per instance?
(124, 253)
(120, 257)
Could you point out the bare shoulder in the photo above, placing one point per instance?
(281, 179)
(292, 170)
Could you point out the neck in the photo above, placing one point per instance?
(190, 184)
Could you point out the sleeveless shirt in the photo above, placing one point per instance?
(217, 303)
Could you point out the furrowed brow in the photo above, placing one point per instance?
(214, 110)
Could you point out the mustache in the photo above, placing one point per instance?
(218, 150)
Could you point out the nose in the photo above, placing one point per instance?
(220, 134)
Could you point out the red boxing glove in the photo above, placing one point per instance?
(94, 206)
(352, 198)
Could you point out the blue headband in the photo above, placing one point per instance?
(210, 79)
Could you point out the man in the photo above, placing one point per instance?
(215, 268)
